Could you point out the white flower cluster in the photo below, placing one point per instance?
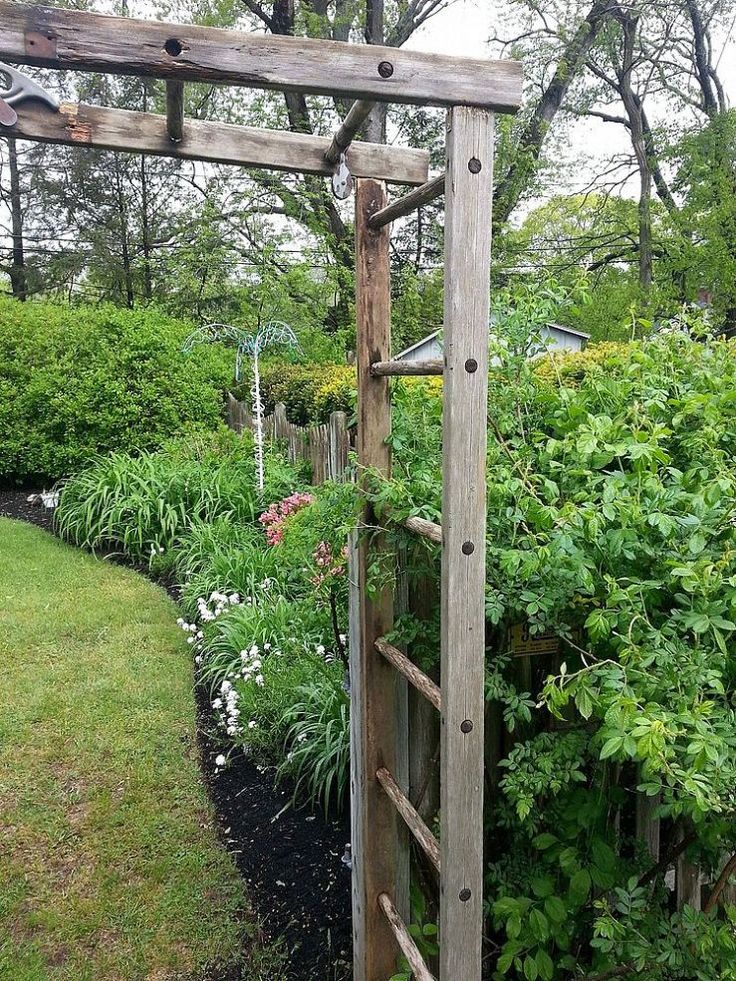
(209, 610)
(226, 706)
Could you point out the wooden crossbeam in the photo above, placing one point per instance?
(410, 202)
(392, 369)
(175, 110)
(415, 824)
(422, 682)
(138, 132)
(58, 38)
(404, 939)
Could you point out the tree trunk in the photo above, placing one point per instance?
(514, 183)
(124, 241)
(145, 217)
(18, 279)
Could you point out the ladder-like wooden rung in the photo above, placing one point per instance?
(359, 112)
(392, 369)
(405, 941)
(404, 206)
(427, 529)
(422, 682)
(429, 844)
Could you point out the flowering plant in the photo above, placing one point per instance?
(274, 517)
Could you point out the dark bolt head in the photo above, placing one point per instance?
(475, 166)
(465, 895)
(173, 47)
(468, 548)
(385, 69)
(466, 726)
(471, 366)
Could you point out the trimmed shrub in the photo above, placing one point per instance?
(79, 381)
(310, 392)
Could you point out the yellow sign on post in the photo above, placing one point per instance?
(523, 642)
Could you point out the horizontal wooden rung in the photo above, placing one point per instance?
(359, 112)
(405, 941)
(427, 529)
(409, 203)
(384, 369)
(429, 844)
(414, 675)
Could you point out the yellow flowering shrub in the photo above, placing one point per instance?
(573, 366)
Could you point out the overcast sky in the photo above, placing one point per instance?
(465, 29)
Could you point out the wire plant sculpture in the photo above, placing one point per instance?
(247, 345)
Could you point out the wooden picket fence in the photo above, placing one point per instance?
(326, 448)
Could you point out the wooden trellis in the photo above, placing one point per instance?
(472, 90)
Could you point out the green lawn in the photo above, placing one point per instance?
(110, 869)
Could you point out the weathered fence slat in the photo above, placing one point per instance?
(326, 448)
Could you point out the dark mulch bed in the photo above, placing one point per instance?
(14, 504)
(291, 858)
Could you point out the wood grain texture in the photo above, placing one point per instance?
(138, 132)
(414, 675)
(420, 972)
(410, 203)
(392, 369)
(175, 110)
(374, 688)
(427, 529)
(52, 37)
(467, 311)
(414, 823)
(359, 112)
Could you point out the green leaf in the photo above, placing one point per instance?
(543, 886)
(531, 971)
(538, 924)
(545, 965)
(555, 909)
(611, 746)
(579, 887)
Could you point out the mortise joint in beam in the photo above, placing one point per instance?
(429, 844)
(414, 675)
(391, 369)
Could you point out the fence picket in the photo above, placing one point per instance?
(326, 448)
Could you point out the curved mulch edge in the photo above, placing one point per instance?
(290, 858)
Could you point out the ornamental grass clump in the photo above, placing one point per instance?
(142, 504)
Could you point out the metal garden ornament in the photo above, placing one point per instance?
(275, 333)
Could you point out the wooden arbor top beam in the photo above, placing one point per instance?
(139, 132)
(55, 38)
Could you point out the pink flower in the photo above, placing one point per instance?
(275, 515)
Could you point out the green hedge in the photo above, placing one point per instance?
(310, 392)
(77, 381)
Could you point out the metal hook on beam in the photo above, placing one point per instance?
(16, 88)
(342, 179)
